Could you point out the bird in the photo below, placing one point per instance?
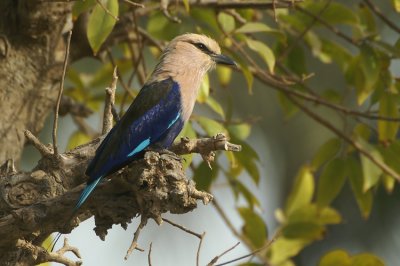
(158, 113)
(160, 110)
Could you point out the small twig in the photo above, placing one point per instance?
(240, 236)
(120, 79)
(182, 228)
(106, 10)
(149, 256)
(265, 247)
(382, 165)
(328, 26)
(199, 248)
(164, 8)
(134, 244)
(134, 4)
(214, 260)
(55, 149)
(43, 149)
(110, 99)
(382, 16)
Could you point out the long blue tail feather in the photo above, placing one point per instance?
(86, 192)
(84, 195)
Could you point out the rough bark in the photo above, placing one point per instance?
(35, 204)
(30, 68)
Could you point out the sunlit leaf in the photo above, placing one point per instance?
(371, 172)
(77, 138)
(283, 249)
(101, 23)
(363, 198)
(370, 66)
(253, 27)
(366, 259)
(187, 5)
(226, 21)
(331, 181)
(388, 182)
(396, 5)
(204, 90)
(326, 152)
(304, 230)
(81, 6)
(215, 106)
(388, 107)
(312, 213)
(254, 227)
(188, 132)
(240, 131)
(210, 126)
(335, 258)
(248, 195)
(224, 75)
(264, 51)
(302, 191)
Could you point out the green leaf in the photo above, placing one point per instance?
(302, 191)
(283, 249)
(388, 107)
(364, 199)
(396, 5)
(204, 176)
(336, 13)
(204, 90)
(371, 172)
(76, 139)
(312, 213)
(187, 5)
(224, 75)
(188, 132)
(331, 181)
(82, 6)
(226, 21)
(366, 259)
(240, 131)
(338, 53)
(335, 258)
(254, 227)
(287, 106)
(370, 66)
(248, 162)
(326, 151)
(303, 230)
(264, 51)
(103, 76)
(101, 23)
(254, 27)
(215, 106)
(210, 126)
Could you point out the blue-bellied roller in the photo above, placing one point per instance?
(160, 110)
(163, 105)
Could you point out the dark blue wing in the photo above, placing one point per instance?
(153, 117)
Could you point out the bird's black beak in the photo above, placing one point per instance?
(223, 60)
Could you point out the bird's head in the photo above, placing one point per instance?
(190, 54)
(200, 49)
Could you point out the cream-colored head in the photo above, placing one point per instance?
(186, 59)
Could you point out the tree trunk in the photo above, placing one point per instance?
(30, 71)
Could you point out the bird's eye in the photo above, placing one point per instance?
(202, 47)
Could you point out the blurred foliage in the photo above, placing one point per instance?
(278, 54)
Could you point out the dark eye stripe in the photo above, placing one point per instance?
(202, 47)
